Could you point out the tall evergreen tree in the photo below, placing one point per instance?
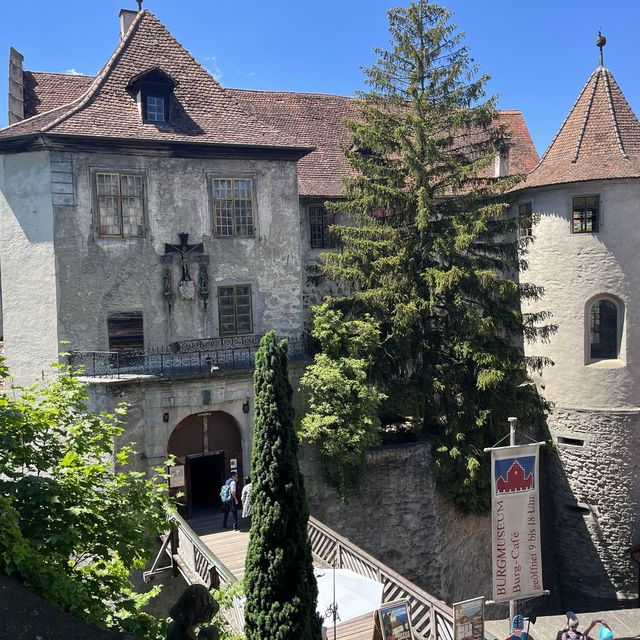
(280, 585)
(434, 257)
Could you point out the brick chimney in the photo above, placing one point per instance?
(16, 86)
(126, 18)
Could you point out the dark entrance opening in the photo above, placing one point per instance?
(206, 475)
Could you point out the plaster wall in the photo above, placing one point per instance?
(100, 276)
(29, 278)
(576, 268)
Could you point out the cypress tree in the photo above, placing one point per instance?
(280, 585)
(434, 258)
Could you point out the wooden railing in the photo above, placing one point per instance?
(198, 565)
(431, 618)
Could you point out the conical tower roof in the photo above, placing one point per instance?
(599, 140)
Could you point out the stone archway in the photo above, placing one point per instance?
(208, 445)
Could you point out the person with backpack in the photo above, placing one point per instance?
(230, 500)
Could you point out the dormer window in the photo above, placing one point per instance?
(152, 91)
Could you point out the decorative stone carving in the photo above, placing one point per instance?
(203, 284)
(167, 283)
(187, 289)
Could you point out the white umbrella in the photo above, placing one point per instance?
(355, 595)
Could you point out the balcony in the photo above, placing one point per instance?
(184, 358)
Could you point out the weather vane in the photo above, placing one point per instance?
(139, 5)
(600, 42)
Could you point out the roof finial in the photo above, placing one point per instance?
(600, 42)
(139, 5)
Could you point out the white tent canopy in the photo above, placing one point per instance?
(355, 595)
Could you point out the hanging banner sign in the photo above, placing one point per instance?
(517, 562)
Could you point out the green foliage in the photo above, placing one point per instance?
(225, 597)
(434, 258)
(73, 525)
(280, 586)
(342, 407)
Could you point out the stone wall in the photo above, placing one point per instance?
(597, 496)
(397, 516)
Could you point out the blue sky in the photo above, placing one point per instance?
(539, 54)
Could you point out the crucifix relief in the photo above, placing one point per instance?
(187, 287)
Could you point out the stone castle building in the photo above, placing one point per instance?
(164, 223)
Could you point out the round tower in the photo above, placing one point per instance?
(585, 198)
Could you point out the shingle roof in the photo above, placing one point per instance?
(316, 119)
(46, 91)
(202, 111)
(599, 140)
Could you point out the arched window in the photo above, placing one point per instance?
(604, 330)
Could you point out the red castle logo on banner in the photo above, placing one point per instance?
(516, 480)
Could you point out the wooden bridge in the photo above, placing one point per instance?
(204, 553)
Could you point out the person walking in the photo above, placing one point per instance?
(247, 509)
(230, 504)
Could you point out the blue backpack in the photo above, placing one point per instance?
(225, 493)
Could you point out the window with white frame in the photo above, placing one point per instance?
(233, 207)
(120, 204)
(234, 310)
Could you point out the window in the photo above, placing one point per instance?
(120, 200)
(320, 220)
(604, 330)
(125, 332)
(233, 207)
(525, 220)
(234, 309)
(155, 109)
(585, 216)
(153, 91)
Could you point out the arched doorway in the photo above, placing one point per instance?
(208, 446)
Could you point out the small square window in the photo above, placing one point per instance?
(525, 220)
(585, 216)
(155, 109)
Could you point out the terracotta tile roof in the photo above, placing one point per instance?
(202, 111)
(46, 91)
(599, 140)
(316, 119)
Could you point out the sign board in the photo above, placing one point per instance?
(515, 523)
(395, 622)
(468, 619)
(233, 463)
(176, 476)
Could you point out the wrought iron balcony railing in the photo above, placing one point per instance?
(207, 356)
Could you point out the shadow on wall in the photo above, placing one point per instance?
(582, 581)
